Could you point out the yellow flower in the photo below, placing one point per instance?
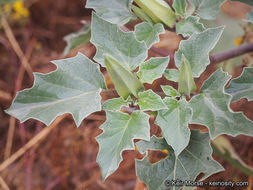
(238, 41)
(165, 151)
(20, 10)
(18, 6)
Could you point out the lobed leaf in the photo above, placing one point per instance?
(153, 69)
(242, 86)
(196, 158)
(172, 74)
(211, 108)
(123, 46)
(189, 26)
(115, 104)
(119, 130)
(207, 9)
(148, 33)
(170, 91)
(174, 123)
(148, 100)
(180, 7)
(196, 49)
(116, 11)
(74, 87)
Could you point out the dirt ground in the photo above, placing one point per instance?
(63, 157)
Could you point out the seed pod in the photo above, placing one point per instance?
(141, 14)
(186, 83)
(125, 82)
(158, 10)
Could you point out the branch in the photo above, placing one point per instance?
(215, 58)
(235, 52)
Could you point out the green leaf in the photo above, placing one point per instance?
(249, 2)
(74, 87)
(116, 12)
(170, 91)
(180, 7)
(242, 86)
(3, 2)
(195, 159)
(172, 74)
(148, 100)
(123, 46)
(148, 33)
(141, 14)
(207, 9)
(224, 149)
(174, 123)
(186, 83)
(125, 82)
(153, 69)
(189, 26)
(250, 17)
(115, 104)
(211, 108)
(196, 49)
(158, 10)
(119, 130)
(76, 39)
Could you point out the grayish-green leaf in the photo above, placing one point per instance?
(119, 130)
(116, 11)
(148, 33)
(224, 149)
(211, 108)
(242, 86)
(170, 91)
(73, 88)
(196, 158)
(148, 100)
(196, 49)
(174, 123)
(207, 9)
(189, 26)
(115, 104)
(180, 7)
(123, 46)
(250, 17)
(249, 2)
(153, 69)
(172, 74)
(76, 39)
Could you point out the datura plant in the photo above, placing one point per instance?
(76, 85)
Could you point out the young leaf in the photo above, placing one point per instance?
(196, 158)
(76, 39)
(148, 100)
(119, 130)
(186, 83)
(207, 9)
(73, 88)
(125, 82)
(170, 91)
(115, 104)
(196, 49)
(153, 69)
(174, 123)
(148, 33)
(172, 74)
(242, 86)
(109, 39)
(158, 10)
(116, 12)
(180, 7)
(211, 108)
(189, 26)
(249, 2)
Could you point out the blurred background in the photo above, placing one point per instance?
(62, 156)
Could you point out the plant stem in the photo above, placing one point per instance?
(216, 58)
